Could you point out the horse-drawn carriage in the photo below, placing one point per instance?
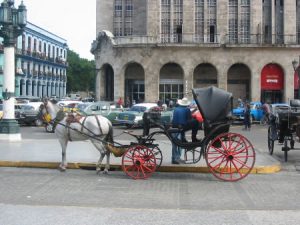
(229, 156)
(284, 126)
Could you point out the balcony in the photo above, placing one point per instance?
(217, 40)
(40, 55)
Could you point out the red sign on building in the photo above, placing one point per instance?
(272, 77)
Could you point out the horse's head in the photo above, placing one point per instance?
(47, 111)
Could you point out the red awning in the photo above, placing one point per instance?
(272, 77)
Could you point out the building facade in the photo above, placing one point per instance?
(160, 49)
(41, 64)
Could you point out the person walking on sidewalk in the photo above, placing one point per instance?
(247, 117)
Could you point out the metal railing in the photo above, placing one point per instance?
(236, 39)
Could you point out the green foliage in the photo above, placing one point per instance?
(80, 73)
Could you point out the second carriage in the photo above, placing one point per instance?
(229, 156)
(284, 126)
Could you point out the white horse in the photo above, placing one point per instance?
(78, 128)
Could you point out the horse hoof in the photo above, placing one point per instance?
(62, 169)
(98, 171)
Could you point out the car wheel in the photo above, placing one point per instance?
(38, 122)
(49, 128)
(129, 126)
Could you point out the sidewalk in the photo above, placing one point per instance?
(46, 153)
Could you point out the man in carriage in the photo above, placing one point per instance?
(182, 118)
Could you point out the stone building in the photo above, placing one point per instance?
(41, 64)
(160, 49)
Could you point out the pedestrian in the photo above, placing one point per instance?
(247, 117)
(171, 104)
(120, 102)
(127, 102)
(240, 103)
(182, 118)
(159, 103)
(266, 110)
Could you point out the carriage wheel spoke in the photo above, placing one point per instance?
(238, 155)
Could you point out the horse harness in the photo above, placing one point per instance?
(71, 118)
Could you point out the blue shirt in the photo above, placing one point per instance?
(181, 115)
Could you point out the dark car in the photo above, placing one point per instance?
(29, 114)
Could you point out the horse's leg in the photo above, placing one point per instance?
(64, 143)
(100, 148)
(107, 166)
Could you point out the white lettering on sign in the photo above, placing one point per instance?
(272, 81)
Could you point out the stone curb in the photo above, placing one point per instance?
(91, 166)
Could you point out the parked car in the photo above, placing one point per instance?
(106, 109)
(29, 114)
(1, 111)
(256, 112)
(276, 107)
(134, 116)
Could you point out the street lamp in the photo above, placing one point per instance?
(12, 24)
(296, 66)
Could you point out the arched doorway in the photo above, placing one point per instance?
(272, 83)
(205, 75)
(135, 83)
(107, 79)
(170, 82)
(239, 82)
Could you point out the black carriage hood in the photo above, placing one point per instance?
(215, 104)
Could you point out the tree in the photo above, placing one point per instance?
(80, 73)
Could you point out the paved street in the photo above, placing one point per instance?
(82, 197)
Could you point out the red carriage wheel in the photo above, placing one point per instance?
(230, 157)
(139, 162)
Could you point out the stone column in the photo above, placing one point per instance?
(188, 84)
(188, 21)
(222, 69)
(97, 86)
(290, 18)
(256, 21)
(273, 22)
(119, 81)
(255, 86)
(222, 20)
(153, 20)
(151, 84)
(288, 82)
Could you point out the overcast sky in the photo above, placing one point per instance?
(72, 20)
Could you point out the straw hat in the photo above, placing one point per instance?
(184, 102)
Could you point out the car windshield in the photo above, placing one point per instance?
(82, 106)
(27, 107)
(138, 108)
